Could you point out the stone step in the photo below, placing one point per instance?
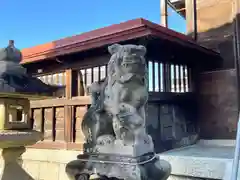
(206, 159)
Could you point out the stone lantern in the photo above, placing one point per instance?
(16, 90)
(14, 114)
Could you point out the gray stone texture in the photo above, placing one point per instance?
(14, 77)
(115, 124)
(218, 105)
(215, 28)
(218, 95)
(171, 126)
(208, 159)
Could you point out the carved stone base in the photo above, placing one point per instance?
(107, 166)
(118, 147)
(12, 144)
(12, 168)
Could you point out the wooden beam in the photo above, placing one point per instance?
(68, 134)
(68, 80)
(60, 102)
(164, 13)
(71, 91)
(80, 85)
(191, 18)
(57, 145)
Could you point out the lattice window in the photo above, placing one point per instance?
(53, 79)
(93, 74)
(162, 77)
(165, 77)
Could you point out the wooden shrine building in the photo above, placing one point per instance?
(174, 61)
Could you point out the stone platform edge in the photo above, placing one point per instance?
(193, 162)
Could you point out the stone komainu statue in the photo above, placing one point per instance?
(114, 125)
(128, 92)
(120, 96)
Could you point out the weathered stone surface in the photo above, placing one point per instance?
(12, 144)
(9, 139)
(11, 167)
(16, 131)
(215, 28)
(218, 105)
(218, 95)
(176, 177)
(120, 99)
(115, 124)
(13, 76)
(206, 160)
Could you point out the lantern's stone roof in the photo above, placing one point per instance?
(10, 53)
(14, 77)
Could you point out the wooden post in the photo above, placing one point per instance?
(80, 85)
(71, 83)
(71, 90)
(164, 13)
(68, 78)
(191, 18)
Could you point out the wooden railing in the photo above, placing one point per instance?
(60, 121)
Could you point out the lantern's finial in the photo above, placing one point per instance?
(11, 43)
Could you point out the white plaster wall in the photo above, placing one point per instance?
(46, 164)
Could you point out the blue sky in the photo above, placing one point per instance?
(35, 22)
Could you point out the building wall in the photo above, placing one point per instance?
(218, 105)
(218, 94)
(215, 28)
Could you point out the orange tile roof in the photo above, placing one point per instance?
(107, 35)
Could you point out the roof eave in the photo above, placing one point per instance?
(180, 38)
(130, 30)
(129, 34)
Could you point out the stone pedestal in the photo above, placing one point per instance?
(16, 89)
(107, 166)
(144, 146)
(11, 167)
(13, 146)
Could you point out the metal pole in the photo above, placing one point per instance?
(235, 164)
(164, 12)
(195, 20)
